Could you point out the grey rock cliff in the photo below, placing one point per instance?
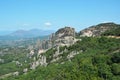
(64, 36)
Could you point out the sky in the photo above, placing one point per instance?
(55, 14)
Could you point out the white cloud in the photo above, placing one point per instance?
(47, 24)
(25, 24)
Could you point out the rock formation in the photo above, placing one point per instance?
(98, 29)
(64, 36)
(15, 73)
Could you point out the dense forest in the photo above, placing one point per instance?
(99, 60)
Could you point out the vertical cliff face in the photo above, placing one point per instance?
(64, 36)
(63, 32)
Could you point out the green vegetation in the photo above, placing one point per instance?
(93, 58)
(112, 32)
(99, 60)
(10, 56)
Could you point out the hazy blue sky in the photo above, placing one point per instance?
(54, 14)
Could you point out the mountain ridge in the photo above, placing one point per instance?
(98, 29)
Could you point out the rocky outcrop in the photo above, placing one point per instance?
(18, 63)
(41, 61)
(97, 30)
(63, 37)
(25, 70)
(15, 73)
(72, 54)
(63, 32)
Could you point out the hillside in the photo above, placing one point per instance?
(65, 56)
(91, 58)
(112, 32)
(99, 29)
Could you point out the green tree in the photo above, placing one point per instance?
(116, 69)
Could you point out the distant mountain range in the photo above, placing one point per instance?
(31, 33)
(26, 34)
